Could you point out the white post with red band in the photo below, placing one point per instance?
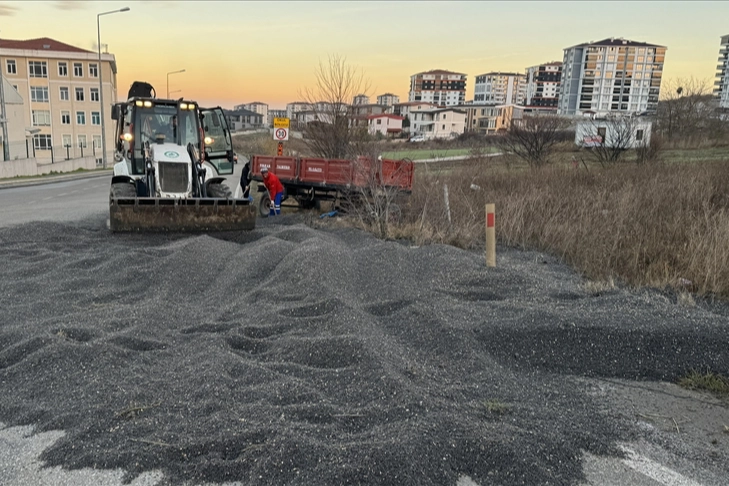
(491, 235)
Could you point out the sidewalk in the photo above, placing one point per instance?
(51, 178)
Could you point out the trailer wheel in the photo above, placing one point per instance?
(220, 191)
(123, 190)
(264, 206)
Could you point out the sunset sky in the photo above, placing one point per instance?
(239, 52)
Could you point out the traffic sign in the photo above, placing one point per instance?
(281, 134)
(280, 123)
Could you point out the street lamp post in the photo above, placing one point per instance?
(101, 85)
(168, 80)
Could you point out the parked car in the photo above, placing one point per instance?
(417, 138)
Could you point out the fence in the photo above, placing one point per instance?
(59, 153)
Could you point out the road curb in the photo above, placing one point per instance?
(35, 181)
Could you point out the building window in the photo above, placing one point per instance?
(65, 118)
(379, 122)
(94, 70)
(37, 69)
(42, 142)
(95, 118)
(64, 93)
(67, 141)
(97, 141)
(39, 94)
(78, 69)
(63, 69)
(79, 94)
(82, 141)
(81, 118)
(94, 94)
(41, 118)
(11, 67)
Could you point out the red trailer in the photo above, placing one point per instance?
(311, 180)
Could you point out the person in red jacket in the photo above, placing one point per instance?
(275, 191)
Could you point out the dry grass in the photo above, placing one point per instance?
(710, 382)
(652, 225)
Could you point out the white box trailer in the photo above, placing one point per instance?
(627, 133)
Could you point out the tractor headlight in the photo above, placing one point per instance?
(183, 106)
(209, 140)
(127, 137)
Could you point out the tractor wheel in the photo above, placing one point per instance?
(220, 191)
(123, 190)
(264, 206)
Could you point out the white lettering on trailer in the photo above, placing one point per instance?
(283, 167)
(314, 169)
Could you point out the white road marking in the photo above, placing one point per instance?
(47, 198)
(655, 471)
(63, 194)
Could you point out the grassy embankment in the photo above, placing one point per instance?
(660, 224)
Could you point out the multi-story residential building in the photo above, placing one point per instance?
(275, 114)
(438, 123)
(243, 119)
(500, 88)
(722, 75)
(490, 118)
(384, 124)
(369, 109)
(388, 99)
(295, 107)
(59, 84)
(542, 85)
(408, 109)
(255, 107)
(444, 88)
(361, 99)
(611, 76)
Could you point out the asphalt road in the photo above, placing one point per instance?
(657, 463)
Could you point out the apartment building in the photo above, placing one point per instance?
(542, 85)
(722, 75)
(490, 118)
(295, 107)
(444, 88)
(438, 123)
(255, 107)
(243, 119)
(408, 109)
(275, 114)
(384, 124)
(500, 88)
(361, 99)
(369, 109)
(388, 99)
(59, 84)
(614, 75)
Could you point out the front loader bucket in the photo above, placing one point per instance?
(155, 214)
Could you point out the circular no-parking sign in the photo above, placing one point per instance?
(281, 134)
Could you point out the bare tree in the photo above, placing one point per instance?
(688, 110)
(614, 135)
(333, 127)
(533, 138)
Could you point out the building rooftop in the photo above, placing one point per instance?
(40, 44)
(440, 71)
(496, 73)
(616, 41)
(385, 115)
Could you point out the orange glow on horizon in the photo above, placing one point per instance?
(240, 52)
